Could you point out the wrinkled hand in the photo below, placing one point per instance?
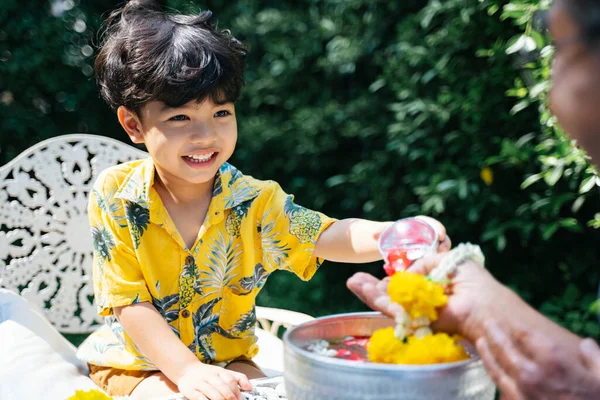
(207, 382)
(470, 294)
(527, 364)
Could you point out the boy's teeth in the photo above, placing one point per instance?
(202, 158)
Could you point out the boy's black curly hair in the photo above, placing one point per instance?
(149, 54)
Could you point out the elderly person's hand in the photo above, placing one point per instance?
(471, 293)
(530, 365)
(474, 299)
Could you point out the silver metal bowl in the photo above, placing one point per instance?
(311, 376)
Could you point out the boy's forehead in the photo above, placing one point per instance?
(161, 106)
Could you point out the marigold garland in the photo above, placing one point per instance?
(385, 348)
(405, 344)
(89, 395)
(417, 295)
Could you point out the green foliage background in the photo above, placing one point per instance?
(364, 108)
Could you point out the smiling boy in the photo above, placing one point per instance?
(183, 240)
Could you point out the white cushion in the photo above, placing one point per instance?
(36, 361)
(16, 308)
(30, 368)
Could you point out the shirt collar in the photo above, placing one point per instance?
(230, 189)
(136, 186)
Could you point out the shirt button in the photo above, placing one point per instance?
(189, 260)
(185, 313)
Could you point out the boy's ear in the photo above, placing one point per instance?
(131, 123)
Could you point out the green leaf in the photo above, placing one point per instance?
(446, 185)
(531, 180)
(501, 243)
(571, 295)
(378, 84)
(587, 184)
(570, 224)
(553, 175)
(549, 230)
(336, 180)
(517, 45)
(520, 106)
(577, 204)
(493, 9)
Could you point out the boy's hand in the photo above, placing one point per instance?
(445, 244)
(207, 382)
(444, 239)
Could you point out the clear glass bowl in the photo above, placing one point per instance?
(405, 241)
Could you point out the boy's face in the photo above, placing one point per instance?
(188, 144)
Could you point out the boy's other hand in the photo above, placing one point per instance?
(207, 382)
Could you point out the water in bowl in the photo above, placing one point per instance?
(352, 348)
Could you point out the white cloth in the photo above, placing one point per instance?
(36, 361)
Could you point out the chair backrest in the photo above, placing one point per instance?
(45, 240)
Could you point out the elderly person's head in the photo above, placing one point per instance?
(575, 96)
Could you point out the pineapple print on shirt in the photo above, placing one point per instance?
(188, 282)
(103, 242)
(305, 224)
(235, 217)
(138, 218)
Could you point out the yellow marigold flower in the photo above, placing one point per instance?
(383, 346)
(417, 295)
(432, 349)
(89, 395)
(487, 175)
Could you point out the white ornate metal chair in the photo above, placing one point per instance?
(45, 243)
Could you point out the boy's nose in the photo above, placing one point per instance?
(201, 133)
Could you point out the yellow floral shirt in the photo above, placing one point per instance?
(206, 293)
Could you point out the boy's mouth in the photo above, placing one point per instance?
(199, 159)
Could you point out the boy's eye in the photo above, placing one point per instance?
(179, 118)
(222, 113)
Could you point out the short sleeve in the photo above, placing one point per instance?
(289, 233)
(117, 275)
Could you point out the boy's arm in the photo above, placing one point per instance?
(350, 240)
(354, 240)
(155, 338)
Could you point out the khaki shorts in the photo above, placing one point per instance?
(120, 382)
